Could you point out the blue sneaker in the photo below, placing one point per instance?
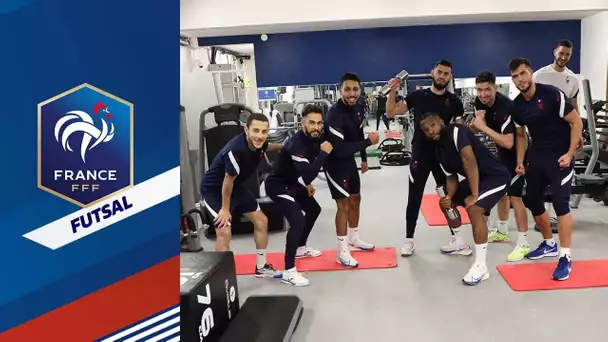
(543, 250)
(563, 269)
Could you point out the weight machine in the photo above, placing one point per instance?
(589, 183)
(191, 218)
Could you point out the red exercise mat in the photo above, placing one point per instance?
(393, 135)
(538, 276)
(378, 258)
(433, 215)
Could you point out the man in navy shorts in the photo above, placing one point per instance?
(225, 194)
(556, 129)
(289, 185)
(494, 113)
(485, 180)
(344, 130)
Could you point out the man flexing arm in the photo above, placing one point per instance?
(494, 118)
(556, 129)
(394, 103)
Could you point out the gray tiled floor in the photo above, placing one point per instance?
(423, 299)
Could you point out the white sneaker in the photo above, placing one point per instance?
(454, 247)
(346, 260)
(477, 274)
(407, 249)
(307, 252)
(358, 244)
(294, 278)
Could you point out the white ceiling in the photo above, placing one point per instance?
(387, 22)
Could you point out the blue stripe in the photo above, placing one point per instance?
(149, 327)
(141, 321)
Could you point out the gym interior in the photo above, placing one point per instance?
(242, 57)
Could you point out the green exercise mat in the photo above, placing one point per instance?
(371, 153)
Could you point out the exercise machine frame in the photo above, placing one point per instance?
(589, 183)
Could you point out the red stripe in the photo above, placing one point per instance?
(107, 310)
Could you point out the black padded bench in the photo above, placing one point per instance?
(265, 319)
(592, 185)
(209, 295)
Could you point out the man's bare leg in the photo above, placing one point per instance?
(354, 205)
(552, 217)
(521, 214)
(480, 228)
(564, 223)
(260, 228)
(522, 247)
(501, 233)
(342, 216)
(504, 206)
(479, 271)
(343, 258)
(222, 239)
(260, 236)
(457, 246)
(542, 221)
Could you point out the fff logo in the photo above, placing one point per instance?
(85, 145)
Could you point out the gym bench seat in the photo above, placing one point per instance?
(591, 179)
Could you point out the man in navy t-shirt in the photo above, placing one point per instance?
(556, 129)
(485, 181)
(225, 194)
(494, 113)
(449, 107)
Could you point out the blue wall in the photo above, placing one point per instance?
(378, 54)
